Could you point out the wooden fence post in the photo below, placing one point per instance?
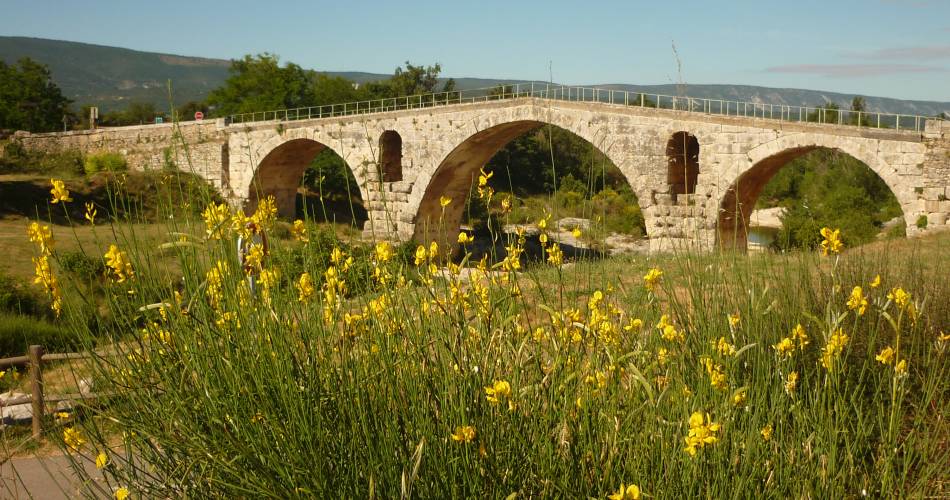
(36, 378)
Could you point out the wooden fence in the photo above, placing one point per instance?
(34, 359)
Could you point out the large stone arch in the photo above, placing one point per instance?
(453, 175)
(762, 162)
(283, 160)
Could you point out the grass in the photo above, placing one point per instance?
(378, 379)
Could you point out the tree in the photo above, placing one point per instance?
(859, 111)
(259, 83)
(29, 100)
(137, 113)
(824, 113)
(333, 90)
(414, 80)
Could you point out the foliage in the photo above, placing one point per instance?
(17, 298)
(136, 113)
(258, 83)
(83, 267)
(383, 376)
(829, 188)
(29, 100)
(18, 333)
(104, 162)
(16, 159)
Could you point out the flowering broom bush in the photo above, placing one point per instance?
(704, 376)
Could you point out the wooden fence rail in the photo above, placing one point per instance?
(35, 358)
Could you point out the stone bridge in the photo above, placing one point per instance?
(697, 175)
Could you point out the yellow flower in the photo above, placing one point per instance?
(857, 301)
(444, 201)
(73, 438)
(832, 241)
(266, 212)
(59, 191)
(120, 264)
(784, 347)
(766, 432)
(102, 460)
(576, 232)
(651, 278)
(464, 434)
(42, 236)
(464, 238)
(498, 390)
(216, 218)
(899, 297)
(421, 255)
(121, 493)
(254, 259)
(798, 333)
(383, 252)
(555, 255)
(717, 377)
(791, 383)
(631, 492)
(305, 288)
(724, 348)
(901, 368)
(702, 432)
(876, 282)
(734, 320)
(91, 212)
(833, 348)
(740, 397)
(662, 356)
(886, 356)
(299, 230)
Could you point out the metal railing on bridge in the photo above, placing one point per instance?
(724, 107)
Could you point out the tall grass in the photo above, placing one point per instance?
(384, 377)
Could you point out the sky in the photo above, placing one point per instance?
(891, 48)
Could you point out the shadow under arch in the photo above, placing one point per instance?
(459, 169)
(739, 201)
(281, 171)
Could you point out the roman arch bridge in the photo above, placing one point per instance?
(697, 166)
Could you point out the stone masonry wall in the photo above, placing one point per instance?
(201, 147)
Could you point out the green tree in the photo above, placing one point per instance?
(29, 100)
(333, 90)
(259, 83)
(137, 113)
(859, 112)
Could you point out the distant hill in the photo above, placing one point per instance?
(111, 77)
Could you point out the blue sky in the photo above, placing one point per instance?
(894, 48)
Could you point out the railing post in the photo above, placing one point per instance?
(36, 384)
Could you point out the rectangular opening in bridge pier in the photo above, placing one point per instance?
(390, 156)
(682, 154)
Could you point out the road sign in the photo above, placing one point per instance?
(199, 116)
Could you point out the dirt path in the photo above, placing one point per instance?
(44, 478)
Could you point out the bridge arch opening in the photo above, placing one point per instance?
(390, 156)
(581, 190)
(306, 177)
(682, 155)
(783, 200)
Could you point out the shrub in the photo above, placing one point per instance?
(82, 266)
(18, 333)
(16, 297)
(922, 222)
(104, 162)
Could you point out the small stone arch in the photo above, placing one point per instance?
(280, 171)
(390, 156)
(764, 161)
(682, 156)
